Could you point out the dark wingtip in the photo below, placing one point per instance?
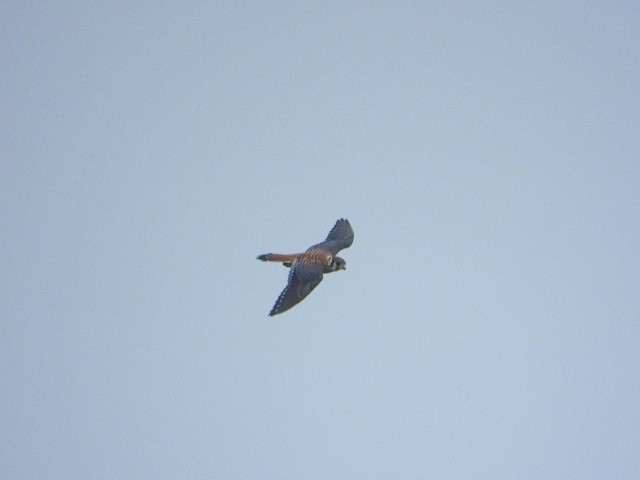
(262, 257)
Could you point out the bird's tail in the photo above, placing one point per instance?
(286, 259)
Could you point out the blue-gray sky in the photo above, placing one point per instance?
(487, 155)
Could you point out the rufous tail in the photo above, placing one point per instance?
(278, 257)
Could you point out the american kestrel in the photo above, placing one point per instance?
(307, 268)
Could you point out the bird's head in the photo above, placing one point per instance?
(338, 264)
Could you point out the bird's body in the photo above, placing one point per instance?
(308, 267)
(313, 256)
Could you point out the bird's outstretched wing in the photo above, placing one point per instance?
(303, 278)
(340, 237)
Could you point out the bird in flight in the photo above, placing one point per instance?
(307, 268)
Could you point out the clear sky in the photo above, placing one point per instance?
(487, 155)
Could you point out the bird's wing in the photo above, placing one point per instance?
(340, 237)
(303, 278)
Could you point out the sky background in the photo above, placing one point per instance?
(487, 155)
